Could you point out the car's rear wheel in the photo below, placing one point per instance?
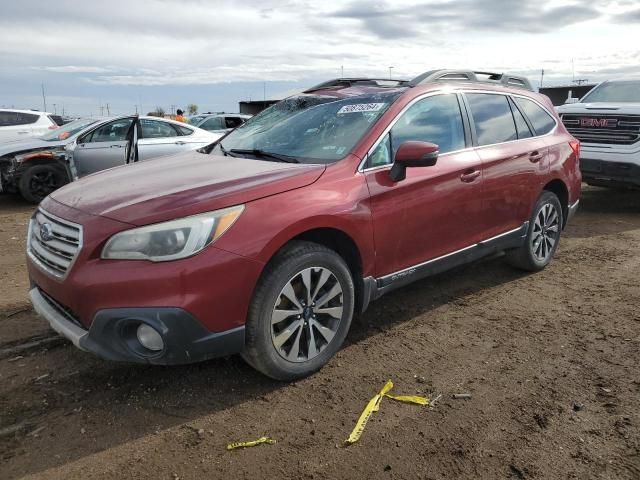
(38, 181)
(543, 236)
(301, 312)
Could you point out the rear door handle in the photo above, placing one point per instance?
(180, 142)
(535, 157)
(470, 176)
(115, 146)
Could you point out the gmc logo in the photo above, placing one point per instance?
(599, 122)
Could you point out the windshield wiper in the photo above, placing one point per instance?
(256, 152)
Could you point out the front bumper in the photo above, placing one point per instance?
(112, 335)
(609, 173)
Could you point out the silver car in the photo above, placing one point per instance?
(36, 168)
(219, 122)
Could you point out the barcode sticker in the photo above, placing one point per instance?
(361, 107)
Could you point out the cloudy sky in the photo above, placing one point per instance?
(215, 53)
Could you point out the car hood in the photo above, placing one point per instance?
(181, 185)
(17, 146)
(613, 108)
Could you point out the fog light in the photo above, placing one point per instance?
(149, 338)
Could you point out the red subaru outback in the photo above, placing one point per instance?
(269, 241)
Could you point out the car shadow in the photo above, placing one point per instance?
(122, 402)
(596, 203)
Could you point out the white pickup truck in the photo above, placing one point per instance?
(607, 123)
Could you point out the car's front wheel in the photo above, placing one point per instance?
(541, 242)
(300, 313)
(38, 181)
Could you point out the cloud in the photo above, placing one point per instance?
(383, 18)
(212, 45)
(74, 69)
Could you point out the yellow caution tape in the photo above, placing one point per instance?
(374, 406)
(252, 443)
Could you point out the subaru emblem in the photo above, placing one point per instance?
(46, 233)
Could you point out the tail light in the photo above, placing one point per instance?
(575, 146)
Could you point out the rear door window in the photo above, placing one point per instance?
(8, 119)
(521, 124)
(492, 118)
(542, 122)
(27, 118)
(213, 123)
(157, 129)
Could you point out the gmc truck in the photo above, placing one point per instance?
(607, 123)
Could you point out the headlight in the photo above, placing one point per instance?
(171, 240)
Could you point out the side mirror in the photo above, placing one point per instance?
(413, 154)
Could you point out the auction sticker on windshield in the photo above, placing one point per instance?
(361, 107)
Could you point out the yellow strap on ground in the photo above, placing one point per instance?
(374, 406)
(409, 399)
(252, 443)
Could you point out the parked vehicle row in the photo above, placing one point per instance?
(219, 122)
(607, 122)
(268, 241)
(36, 167)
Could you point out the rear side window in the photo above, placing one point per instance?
(521, 124)
(492, 118)
(542, 122)
(184, 131)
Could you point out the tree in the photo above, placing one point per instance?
(192, 109)
(159, 112)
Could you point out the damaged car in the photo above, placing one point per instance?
(37, 167)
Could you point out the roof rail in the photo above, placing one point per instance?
(505, 79)
(349, 82)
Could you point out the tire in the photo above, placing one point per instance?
(38, 181)
(543, 235)
(302, 337)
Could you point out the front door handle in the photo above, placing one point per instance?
(469, 176)
(115, 146)
(535, 157)
(180, 142)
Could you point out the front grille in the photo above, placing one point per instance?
(609, 129)
(53, 243)
(66, 312)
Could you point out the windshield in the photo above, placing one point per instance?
(68, 130)
(615, 92)
(309, 128)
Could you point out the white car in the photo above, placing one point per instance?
(607, 123)
(221, 123)
(21, 124)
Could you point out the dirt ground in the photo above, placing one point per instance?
(552, 361)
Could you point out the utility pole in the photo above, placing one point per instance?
(44, 99)
(541, 78)
(101, 111)
(390, 68)
(341, 71)
(108, 111)
(55, 111)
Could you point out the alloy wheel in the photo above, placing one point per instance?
(546, 230)
(307, 314)
(43, 183)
